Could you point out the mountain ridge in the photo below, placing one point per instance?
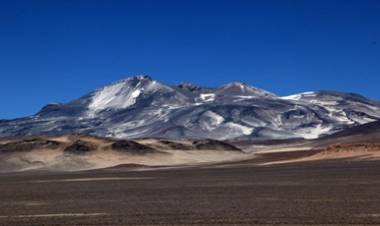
(140, 106)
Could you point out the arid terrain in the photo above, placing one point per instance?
(320, 192)
(86, 180)
(81, 152)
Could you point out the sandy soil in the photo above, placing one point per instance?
(351, 152)
(309, 193)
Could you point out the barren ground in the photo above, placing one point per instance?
(335, 192)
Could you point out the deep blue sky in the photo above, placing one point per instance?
(56, 51)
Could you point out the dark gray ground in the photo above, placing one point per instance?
(241, 194)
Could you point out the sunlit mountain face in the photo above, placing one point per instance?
(140, 107)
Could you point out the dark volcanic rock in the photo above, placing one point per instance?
(28, 145)
(132, 147)
(175, 145)
(213, 145)
(80, 147)
(366, 129)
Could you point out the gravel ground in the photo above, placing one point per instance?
(317, 193)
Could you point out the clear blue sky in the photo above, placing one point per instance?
(56, 51)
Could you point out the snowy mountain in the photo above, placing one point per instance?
(142, 107)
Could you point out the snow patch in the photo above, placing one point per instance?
(136, 93)
(207, 97)
(314, 133)
(298, 96)
(243, 129)
(210, 120)
(246, 97)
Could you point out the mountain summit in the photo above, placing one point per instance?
(241, 89)
(140, 107)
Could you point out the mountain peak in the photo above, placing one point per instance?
(121, 94)
(188, 86)
(238, 84)
(242, 89)
(142, 77)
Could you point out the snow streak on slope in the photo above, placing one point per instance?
(115, 96)
(299, 96)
